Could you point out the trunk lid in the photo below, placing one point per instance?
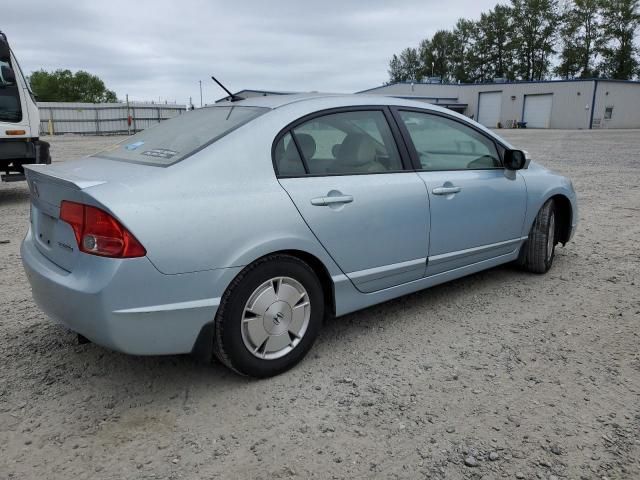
(51, 184)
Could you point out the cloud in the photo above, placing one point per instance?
(160, 49)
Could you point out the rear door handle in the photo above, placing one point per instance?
(324, 201)
(446, 190)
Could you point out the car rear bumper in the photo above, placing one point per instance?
(126, 305)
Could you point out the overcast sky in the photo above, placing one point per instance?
(161, 48)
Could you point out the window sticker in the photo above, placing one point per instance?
(133, 146)
(160, 153)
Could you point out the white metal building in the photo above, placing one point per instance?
(570, 104)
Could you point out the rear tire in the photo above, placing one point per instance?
(269, 317)
(538, 252)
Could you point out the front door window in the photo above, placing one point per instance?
(445, 144)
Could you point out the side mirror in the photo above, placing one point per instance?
(515, 160)
(4, 49)
(7, 75)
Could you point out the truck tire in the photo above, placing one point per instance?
(42, 152)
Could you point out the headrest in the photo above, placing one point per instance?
(307, 144)
(357, 149)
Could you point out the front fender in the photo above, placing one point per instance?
(542, 184)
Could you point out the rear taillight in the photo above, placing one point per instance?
(98, 233)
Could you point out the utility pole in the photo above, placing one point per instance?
(128, 117)
(200, 93)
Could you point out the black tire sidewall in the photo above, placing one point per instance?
(533, 253)
(549, 261)
(237, 353)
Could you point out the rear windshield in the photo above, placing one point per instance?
(181, 136)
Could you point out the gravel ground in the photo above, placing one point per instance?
(499, 375)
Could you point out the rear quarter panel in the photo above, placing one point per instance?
(222, 207)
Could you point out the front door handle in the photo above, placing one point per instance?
(332, 200)
(446, 190)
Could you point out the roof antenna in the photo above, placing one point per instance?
(232, 96)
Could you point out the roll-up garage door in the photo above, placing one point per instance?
(489, 108)
(537, 110)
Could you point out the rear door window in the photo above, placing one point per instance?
(181, 136)
(348, 143)
(287, 158)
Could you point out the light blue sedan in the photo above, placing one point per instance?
(235, 230)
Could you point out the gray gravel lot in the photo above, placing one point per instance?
(499, 375)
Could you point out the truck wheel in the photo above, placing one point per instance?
(42, 153)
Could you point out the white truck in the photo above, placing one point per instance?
(19, 119)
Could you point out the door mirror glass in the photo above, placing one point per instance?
(515, 159)
(4, 49)
(7, 75)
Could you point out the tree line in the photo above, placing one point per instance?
(530, 40)
(66, 86)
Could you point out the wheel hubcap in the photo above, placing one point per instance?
(275, 318)
(551, 234)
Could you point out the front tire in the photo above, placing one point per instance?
(269, 316)
(538, 252)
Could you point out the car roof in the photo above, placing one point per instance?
(331, 100)
(304, 103)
